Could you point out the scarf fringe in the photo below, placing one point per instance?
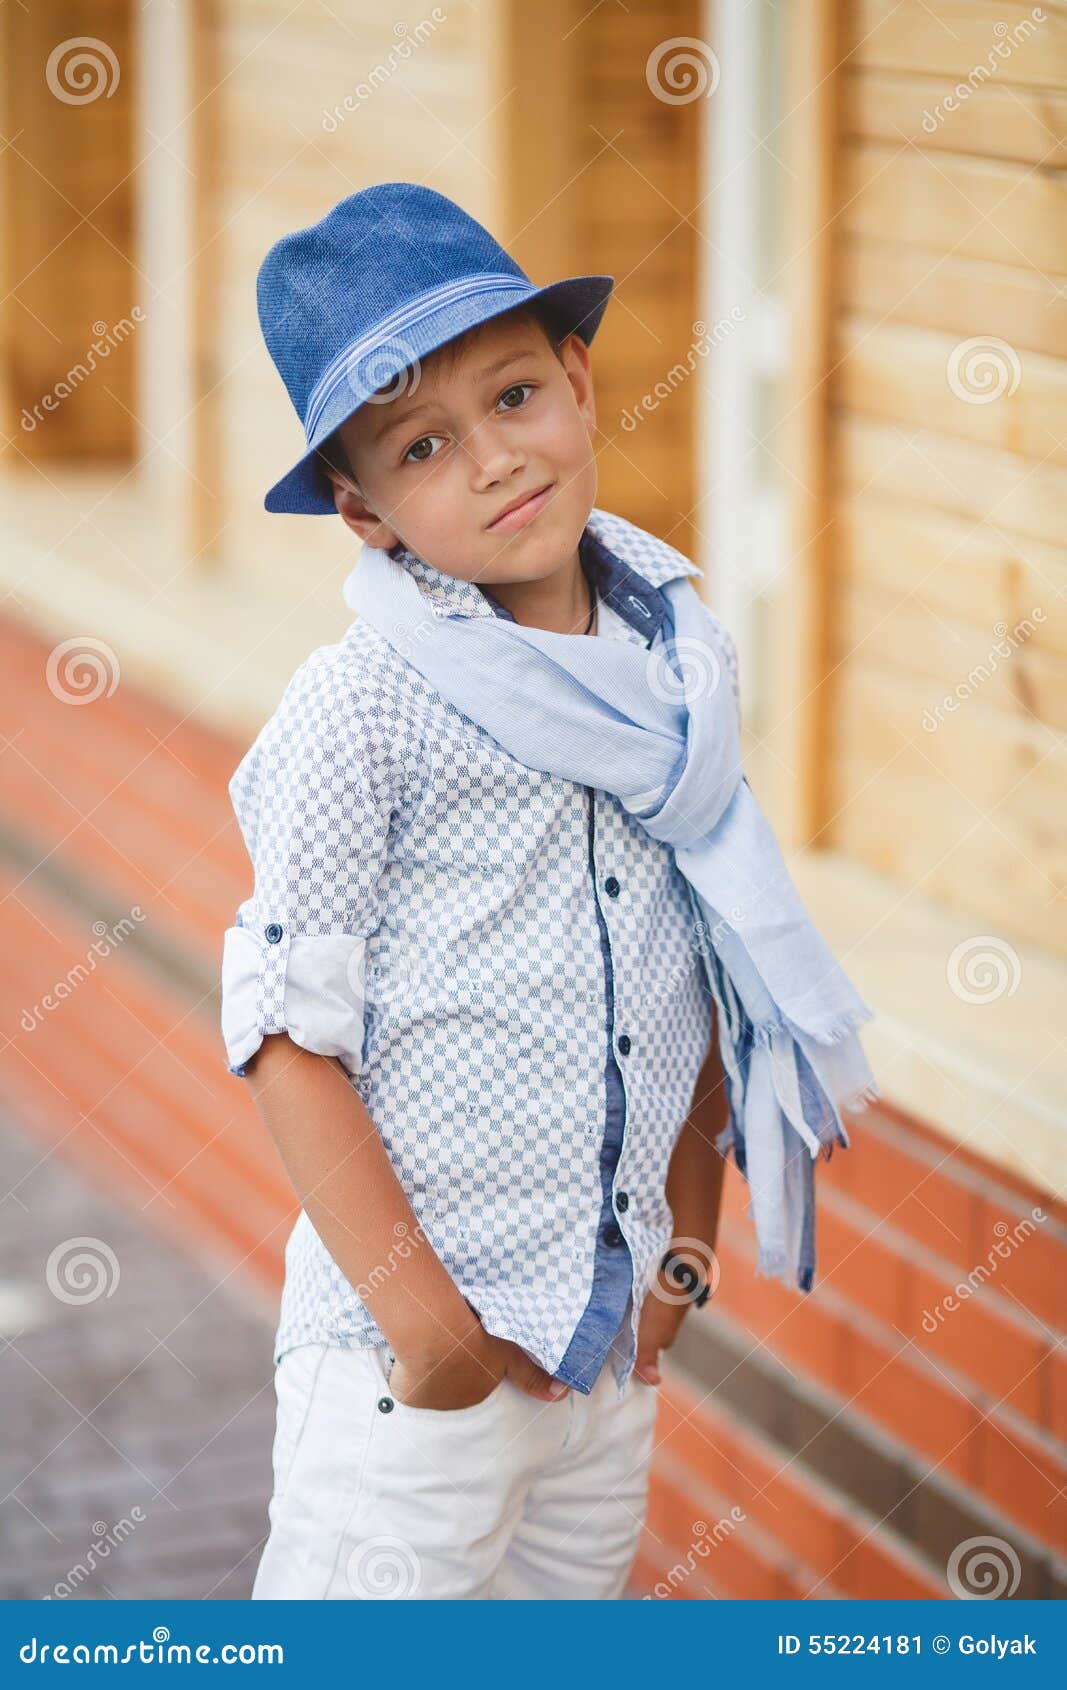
(853, 1104)
(730, 1139)
(837, 1032)
(772, 1264)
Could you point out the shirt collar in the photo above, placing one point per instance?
(627, 565)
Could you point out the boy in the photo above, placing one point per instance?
(493, 1081)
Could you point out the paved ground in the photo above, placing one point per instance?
(138, 1417)
(135, 1458)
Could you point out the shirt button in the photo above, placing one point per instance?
(612, 1235)
(611, 886)
(624, 1044)
(622, 1200)
(385, 1404)
(273, 933)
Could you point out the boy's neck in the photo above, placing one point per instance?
(560, 602)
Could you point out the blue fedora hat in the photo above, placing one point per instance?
(385, 278)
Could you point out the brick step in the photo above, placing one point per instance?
(133, 1085)
(132, 719)
(131, 863)
(143, 810)
(979, 1330)
(879, 1373)
(947, 1199)
(808, 1536)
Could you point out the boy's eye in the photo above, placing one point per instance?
(519, 387)
(421, 457)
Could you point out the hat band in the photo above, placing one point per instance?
(449, 293)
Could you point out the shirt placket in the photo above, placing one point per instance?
(613, 1284)
(612, 1262)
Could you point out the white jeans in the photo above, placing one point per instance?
(513, 1498)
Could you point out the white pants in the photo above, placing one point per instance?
(513, 1498)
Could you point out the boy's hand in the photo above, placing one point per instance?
(662, 1313)
(467, 1375)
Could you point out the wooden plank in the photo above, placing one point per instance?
(948, 759)
(959, 39)
(952, 567)
(972, 803)
(70, 282)
(992, 119)
(966, 296)
(802, 632)
(980, 208)
(1008, 661)
(207, 484)
(980, 389)
(952, 475)
(574, 203)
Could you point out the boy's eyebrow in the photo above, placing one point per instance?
(417, 410)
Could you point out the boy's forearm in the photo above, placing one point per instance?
(695, 1173)
(342, 1174)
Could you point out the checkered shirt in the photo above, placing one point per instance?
(502, 960)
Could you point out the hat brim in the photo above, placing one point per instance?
(576, 306)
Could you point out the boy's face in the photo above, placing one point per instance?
(479, 426)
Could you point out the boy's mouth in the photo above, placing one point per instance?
(523, 509)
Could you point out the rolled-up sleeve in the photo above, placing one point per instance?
(313, 797)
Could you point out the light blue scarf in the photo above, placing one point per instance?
(658, 728)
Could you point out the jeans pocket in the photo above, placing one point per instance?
(385, 1359)
(294, 1380)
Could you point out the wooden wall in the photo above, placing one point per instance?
(69, 371)
(281, 148)
(604, 177)
(949, 461)
(540, 122)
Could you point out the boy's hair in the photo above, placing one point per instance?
(333, 452)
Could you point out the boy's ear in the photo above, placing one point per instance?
(578, 364)
(355, 512)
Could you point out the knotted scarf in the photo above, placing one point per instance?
(658, 727)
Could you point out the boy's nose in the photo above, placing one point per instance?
(492, 457)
